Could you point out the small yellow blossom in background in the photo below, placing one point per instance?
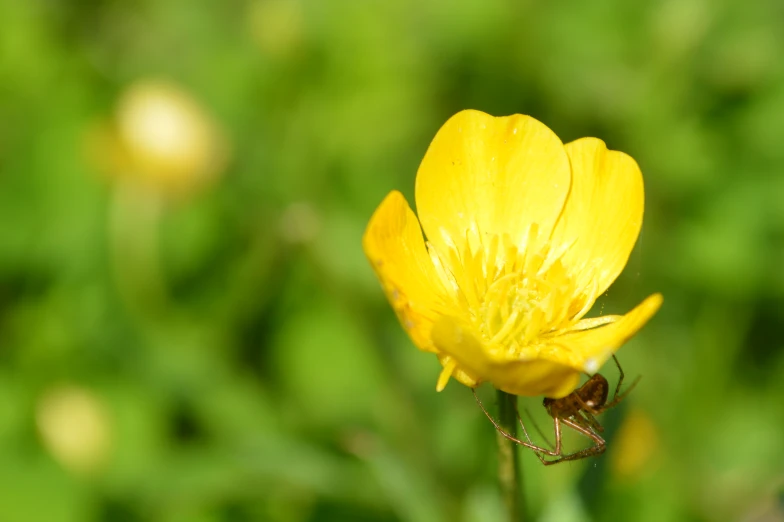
(162, 138)
(75, 428)
(636, 444)
(524, 233)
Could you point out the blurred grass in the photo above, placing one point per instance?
(245, 356)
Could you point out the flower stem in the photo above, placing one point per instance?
(508, 465)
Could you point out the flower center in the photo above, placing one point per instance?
(514, 295)
(518, 307)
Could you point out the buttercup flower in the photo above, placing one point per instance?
(524, 233)
(161, 137)
(75, 427)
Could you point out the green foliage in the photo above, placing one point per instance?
(247, 362)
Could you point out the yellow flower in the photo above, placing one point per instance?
(524, 233)
(76, 428)
(160, 137)
(635, 447)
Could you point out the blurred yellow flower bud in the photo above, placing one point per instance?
(162, 138)
(635, 445)
(75, 428)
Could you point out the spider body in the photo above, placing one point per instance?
(592, 394)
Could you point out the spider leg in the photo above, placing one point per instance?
(503, 433)
(538, 430)
(618, 398)
(522, 424)
(620, 376)
(597, 449)
(586, 419)
(528, 438)
(557, 429)
(557, 452)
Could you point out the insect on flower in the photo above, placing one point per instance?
(523, 234)
(578, 411)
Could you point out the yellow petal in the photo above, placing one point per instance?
(491, 175)
(519, 377)
(588, 350)
(602, 216)
(394, 245)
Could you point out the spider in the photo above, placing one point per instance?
(578, 411)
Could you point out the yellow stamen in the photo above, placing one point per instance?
(446, 373)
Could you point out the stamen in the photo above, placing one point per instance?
(511, 295)
(506, 329)
(446, 373)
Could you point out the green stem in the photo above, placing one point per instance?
(508, 465)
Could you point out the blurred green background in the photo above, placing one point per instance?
(208, 343)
